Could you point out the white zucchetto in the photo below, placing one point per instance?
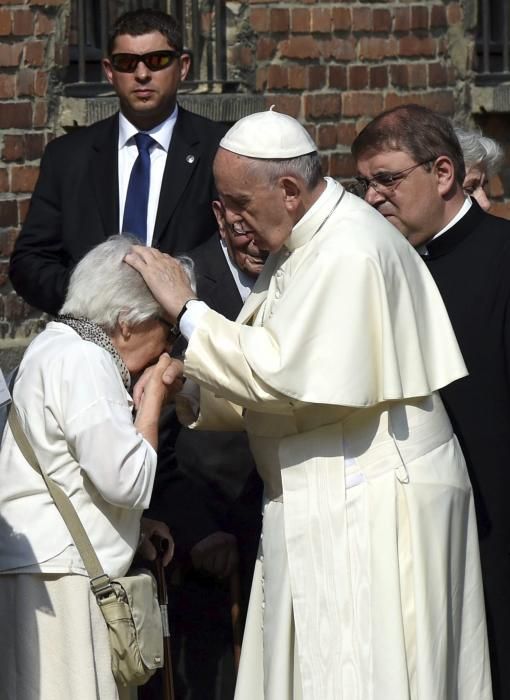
(268, 135)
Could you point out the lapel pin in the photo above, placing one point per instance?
(190, 159)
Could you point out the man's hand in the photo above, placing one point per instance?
(164, 276)
(216, 554)
(146, 549)
(171, 377)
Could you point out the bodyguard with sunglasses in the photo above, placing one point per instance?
(146, 170)
(411, 170)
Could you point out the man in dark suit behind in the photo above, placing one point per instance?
(80, 196)
(220, 466)
(412, 171)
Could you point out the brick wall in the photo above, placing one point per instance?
(336, 65)
(32, 52)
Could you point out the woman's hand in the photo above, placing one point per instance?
(171, 377)
(151, 528)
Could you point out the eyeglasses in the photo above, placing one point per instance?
(154, 60)
(172, 332)
(386, 182)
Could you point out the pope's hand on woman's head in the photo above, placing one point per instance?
(164, 276)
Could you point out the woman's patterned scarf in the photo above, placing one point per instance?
(88, 330)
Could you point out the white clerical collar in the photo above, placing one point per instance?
(314, 218)
(244, 282)
(462, 212)
(162, 133)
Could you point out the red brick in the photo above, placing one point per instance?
(323, 105)
(419, 17)
(287, 104)
(338, 77)
(300, 20)
(325, 164)
(438, 74)
(454, 13)
(4, 180)
(25, 82)
(342, 165)
(501, 209)
(437, 16)
(34, 146)
(44, 25)
(266, 49)
(23, 205)
(417, 75)
(241, 55)
(15, 115)
(297, 76)
(4, 279)
(23, 178)
(7, 86)
(381, 20)
(342, 20)
(40, 83)
(5, 22)
(339, 49)
(61, 55)
(316, 77)
(259, 19)
(280, 20)
(22, 22)
(10, 54)
(8, 238)
(346, 133)
(327, 136)
(40, 118)
(277, 77)
(299, 47)
(261, 79)
(402, 19)
(321, 20)
(358, 77)
(377, 48)
(355, 104)
(417, 46)
(440, 101)
(34, 53)
(362, 19)
(378, 77)
(8, 216)
(14, 147)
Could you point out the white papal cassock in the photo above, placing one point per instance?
(368, 584)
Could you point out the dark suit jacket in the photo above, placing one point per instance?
(75, 204)
(471, 266)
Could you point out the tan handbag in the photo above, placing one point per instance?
(129, 603)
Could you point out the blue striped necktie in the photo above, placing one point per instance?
(137, 198)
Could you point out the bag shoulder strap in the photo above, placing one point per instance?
(99, 581)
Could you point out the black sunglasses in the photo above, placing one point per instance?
(172, 332)
(154, 60)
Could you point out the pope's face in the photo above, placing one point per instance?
(253, 208)
(146, 97)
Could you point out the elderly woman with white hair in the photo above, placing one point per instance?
(483, 157)
(71, 394)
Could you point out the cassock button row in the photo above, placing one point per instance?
(190, 158)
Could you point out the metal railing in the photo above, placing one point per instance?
(203, 24)
(493, 41)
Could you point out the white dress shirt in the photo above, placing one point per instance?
(128, 153)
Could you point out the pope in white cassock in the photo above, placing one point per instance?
(367, 586)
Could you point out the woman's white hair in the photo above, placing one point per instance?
(105, 289)
(480, 150)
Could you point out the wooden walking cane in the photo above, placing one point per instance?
(161, 546)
